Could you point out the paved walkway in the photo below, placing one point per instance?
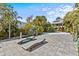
(59, 44)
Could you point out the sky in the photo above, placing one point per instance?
(50, 10)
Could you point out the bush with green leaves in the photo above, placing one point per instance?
(71, 21)
(39, 30)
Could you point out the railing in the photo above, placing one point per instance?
(76, 39)
(12, 38)
(78, 46)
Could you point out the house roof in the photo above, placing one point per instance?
(58, 22)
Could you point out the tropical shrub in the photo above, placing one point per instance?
(71, 21)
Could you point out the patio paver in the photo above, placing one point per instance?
(59, 44)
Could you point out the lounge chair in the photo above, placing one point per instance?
(26, 40)
(36, 45)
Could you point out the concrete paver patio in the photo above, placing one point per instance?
(59, 44)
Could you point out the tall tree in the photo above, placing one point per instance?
(29, 19)
(9, 18)
(71, 21)
(58, 18)
(76, 5)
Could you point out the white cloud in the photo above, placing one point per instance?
(46, 9)
(59, 12)
(66, 8)
(50, 12)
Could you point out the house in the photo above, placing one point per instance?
(58, 25)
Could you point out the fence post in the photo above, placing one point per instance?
(78, 46)
(74, 35)
(20, 35)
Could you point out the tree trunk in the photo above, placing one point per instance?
(9, 30)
